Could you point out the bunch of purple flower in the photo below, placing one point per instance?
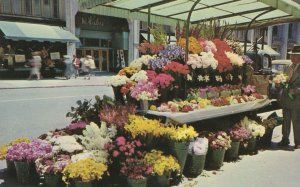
(28, 151)
(172, 52)
(159, 62)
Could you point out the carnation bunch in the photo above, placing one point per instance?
(198, 147)
(219, 140)
(140, 126)
(161, 163)
(144, 90)
(84, 170)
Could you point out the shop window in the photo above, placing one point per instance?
(46, 8)
(17, 7)
(290, 31)
(55, 8)
(5, 6)
(91, 42)
(37, 8)
(275, 31)
(104, 43)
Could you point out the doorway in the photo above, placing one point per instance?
(100, 56)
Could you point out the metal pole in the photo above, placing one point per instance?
(149, 19)
(246, 34)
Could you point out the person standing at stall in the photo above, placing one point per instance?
(36, 63)
(76, 65)
(89, 65)
(68, 66)
(290, 101)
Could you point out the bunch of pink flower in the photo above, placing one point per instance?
(209, 46)
(249, 89)
(28, 151)
(238, 133)
(135, 168)
(161, 80)
(52, 163)
(144, 90)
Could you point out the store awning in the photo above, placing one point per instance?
(35, 32)
(266, 50)
(233, 12)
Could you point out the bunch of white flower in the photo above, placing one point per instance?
(117, 80)
(235, 59)
(65, 143)
(198, 147)
(141, 75)
(137, 63)
(208, 59)
(255, 128)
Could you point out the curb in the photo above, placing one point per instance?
(60, 86)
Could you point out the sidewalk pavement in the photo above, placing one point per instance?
(98, 79)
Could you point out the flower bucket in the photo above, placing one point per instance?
(10, 167)
(215, 158)
(266, 140)
(78, 183)
(137, 182)
(160, 181)
(251, 146)
(144, 105)
(194, 165)
(180, 151)
(23, 172)
(53, 180)
(233, 152)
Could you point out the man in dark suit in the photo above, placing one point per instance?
(290, 101)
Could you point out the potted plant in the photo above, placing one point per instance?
(196, 157)
(162, 165)
(136, 170)
(179, 138)
(218, 143)
(237, 134)
(51, 166)
(84, 172)
(24, 155)
(144, 91)
(3, 151)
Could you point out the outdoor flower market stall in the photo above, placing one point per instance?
(121, 141)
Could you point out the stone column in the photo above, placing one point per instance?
(71, 9)
(270, 35)
(284, 41)
(134, 39)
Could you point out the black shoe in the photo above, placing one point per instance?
(297, 147)
(283, 143)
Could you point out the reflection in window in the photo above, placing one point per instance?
(27, 7)
(55, 8)
(37, 8)
(5, 6)
(46, 8)
(17, 8)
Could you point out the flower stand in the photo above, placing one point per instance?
(53, 180)
(23, 172)
(137, 182)
(233, 152)
(194, 165)
(10, 167)
(215, 158)
(180, 151)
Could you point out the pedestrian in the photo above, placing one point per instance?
(68, 66)
(76, 65)
(290, 101)
(35, 63)
(89, 66)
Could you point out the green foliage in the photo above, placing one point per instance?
(88, 111)
(159, 35)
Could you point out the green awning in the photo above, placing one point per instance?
(168, 12)
(35, 32)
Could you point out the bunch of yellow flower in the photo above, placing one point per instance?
(138, 125)
(184, 133)
(194, 45)
(128, 71)
(203, 102)
(85, 170)
(5, 147)
(161, 163)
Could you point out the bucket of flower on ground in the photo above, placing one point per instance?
(269, 125)
(237, 134)
(256, 130)
(218, 143)
(163, 166)
(84, 173)
(196, 157)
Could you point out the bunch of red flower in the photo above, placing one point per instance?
(223, 61)
(177, 68)
(161, 80)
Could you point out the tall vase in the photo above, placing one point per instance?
(233, 152)
(23, 171)
(194, 165)
(215, 158)
(251, 146)
(137, 182)
(144, 105)
(180, 151)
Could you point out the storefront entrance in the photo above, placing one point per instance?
(101, 57)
